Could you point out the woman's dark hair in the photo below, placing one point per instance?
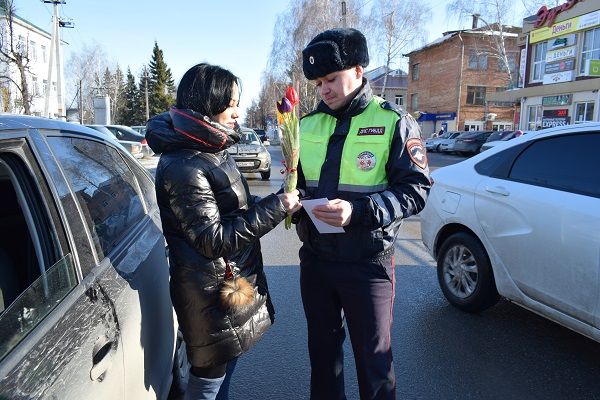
(206, 89)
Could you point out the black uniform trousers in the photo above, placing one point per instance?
(362, 294)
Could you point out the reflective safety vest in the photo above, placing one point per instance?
(366, 148)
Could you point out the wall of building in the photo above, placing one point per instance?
(38, 44)
(441, 84)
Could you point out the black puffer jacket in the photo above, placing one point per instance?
(208, 215)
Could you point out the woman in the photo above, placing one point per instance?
(212, 225)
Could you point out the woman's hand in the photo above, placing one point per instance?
(290, 201)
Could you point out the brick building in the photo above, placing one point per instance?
(450, 78)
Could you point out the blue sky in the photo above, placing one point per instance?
(236, 34)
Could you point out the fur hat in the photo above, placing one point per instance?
(334, 50)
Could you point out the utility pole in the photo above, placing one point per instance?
(55, 46)
(344, 22)
(80, 103)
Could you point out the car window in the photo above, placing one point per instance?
(104, 187)
(35, 302)
(145, 181)
(568, 163)
(249, 138)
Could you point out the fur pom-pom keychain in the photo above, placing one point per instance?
(235, 292)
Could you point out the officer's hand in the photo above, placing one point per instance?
(336, 213)
(290, 201)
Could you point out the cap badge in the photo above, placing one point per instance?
(366, 161)
(311, 59)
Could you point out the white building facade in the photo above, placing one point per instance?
(37, 44)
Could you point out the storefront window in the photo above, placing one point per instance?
(584, 112)
(591, 48)
(539, 61)
(534, 117)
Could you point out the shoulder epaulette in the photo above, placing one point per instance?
(386, 105)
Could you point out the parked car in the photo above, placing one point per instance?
(123, 132)
(134, 147)
(470, 143)
(141, 129)
(85, 310)
(435, 144)
(447, 146)
(522, 221)
(251, 155)
(491, 143)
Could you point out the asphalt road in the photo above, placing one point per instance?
(440, 352)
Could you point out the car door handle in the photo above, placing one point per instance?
(497, 190)
(102, 358)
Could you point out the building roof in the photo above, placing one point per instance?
(394, 80)
(509, 31)
(24, 22)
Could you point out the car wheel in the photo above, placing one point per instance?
(181, 369)
(465, 274)
(265, 175)
(438, 148)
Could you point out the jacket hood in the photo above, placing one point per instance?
(188, 129)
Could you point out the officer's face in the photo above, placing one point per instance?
(228, 117)
(338, 88)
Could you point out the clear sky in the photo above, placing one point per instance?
(236, 34)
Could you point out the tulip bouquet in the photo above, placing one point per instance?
(289, 136)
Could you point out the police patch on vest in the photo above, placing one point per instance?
(374, 130)
(417, 153)
(366, 161)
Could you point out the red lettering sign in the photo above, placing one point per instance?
(547, 16)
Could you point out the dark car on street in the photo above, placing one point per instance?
(85, 309)
(470, 142)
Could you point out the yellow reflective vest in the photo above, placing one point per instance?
(365, 153)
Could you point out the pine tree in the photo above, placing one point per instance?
(119, 94)
(160, 86)
(130, 110)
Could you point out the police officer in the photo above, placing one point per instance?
(366, 157)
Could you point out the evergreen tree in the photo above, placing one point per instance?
(161, 86)
(119, 94)
(130, 112)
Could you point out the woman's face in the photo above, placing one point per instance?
(227, 118)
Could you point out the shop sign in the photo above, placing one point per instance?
(560, 100)
(559, 54)
(547, 16)
(565, 27)
(558, 113)
(565, 76)
(552, 122)
(560, 66)
(563, 41)
(593, 67)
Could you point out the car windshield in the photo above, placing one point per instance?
(249, 138)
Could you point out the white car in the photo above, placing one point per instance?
(435, 144)
(522, 221)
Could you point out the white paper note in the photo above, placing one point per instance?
(321, 226)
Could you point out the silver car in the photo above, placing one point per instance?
(85, 311)
(251, 155)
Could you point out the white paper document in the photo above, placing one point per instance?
(321, 226)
